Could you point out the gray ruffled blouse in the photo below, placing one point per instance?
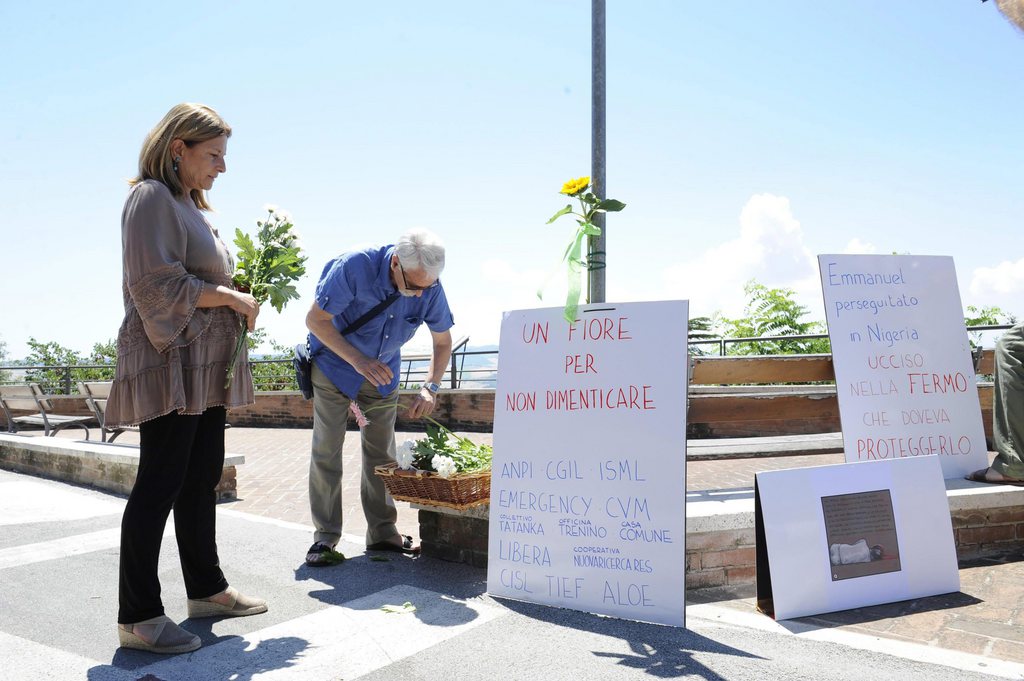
(171, 356)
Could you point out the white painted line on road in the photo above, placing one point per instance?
(66, 547)
(24, 501)
(715, 615)
(341, 642)
(25, 659)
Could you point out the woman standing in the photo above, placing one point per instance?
(173, 351)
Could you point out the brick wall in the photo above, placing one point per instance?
(726, 557)
(988, 532)
(473, 411)
(720, 558)
(454, 538)
(465, 410)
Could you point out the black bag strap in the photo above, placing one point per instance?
(380, 307)
(359, 323)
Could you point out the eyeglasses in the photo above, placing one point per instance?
(411, 287)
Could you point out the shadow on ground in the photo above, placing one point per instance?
(245, 662)
(660, 651)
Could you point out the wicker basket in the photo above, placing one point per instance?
(461, 491)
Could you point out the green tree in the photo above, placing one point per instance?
(273, 370)
(989, 315)
(699, 329)
(49, 361)
(773, 312)
(103, 354)
(56, 368)
(5, 376)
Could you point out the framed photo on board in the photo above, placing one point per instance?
(851, 535)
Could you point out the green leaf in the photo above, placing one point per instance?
(332, 557)
(564, 211)
(575, 271)
(589, 198)
(404, 608)
(610, 205)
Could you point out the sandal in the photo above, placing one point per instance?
(239, 605)
(980, 475)
(320, 554)
(168, 638)
(406, 547)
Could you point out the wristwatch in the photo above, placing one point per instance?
(432, 387)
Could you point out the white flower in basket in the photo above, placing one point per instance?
(444, 453)
(444, 465)
(405, 454)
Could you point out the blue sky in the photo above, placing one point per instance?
(745, 138)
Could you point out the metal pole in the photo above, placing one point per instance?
(596, 245)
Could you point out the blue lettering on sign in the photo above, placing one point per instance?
(624, 469)
(562, 587)
(517, 470)
(515, 580)
(628, 594)
(527, 554)
(628, 507)
(547, 503)
(633, 532)
(564, 469)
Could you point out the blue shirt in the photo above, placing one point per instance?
(350, 286)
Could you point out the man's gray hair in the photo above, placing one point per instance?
(421, 249)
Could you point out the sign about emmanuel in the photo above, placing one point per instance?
(904, 373)
(588, 481)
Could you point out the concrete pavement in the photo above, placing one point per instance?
(58, 564)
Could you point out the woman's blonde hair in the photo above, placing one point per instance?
(191, 123)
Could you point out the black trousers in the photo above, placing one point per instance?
(180, 463)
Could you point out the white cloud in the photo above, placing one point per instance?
(858, 247)
(769, 248)
(1001, 285)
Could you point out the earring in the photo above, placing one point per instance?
(176, 160)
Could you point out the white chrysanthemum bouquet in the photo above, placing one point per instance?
(267, 268)
(444, 453)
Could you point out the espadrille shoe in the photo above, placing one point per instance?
(157, 635)
(239, 605)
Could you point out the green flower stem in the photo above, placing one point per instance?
(464, 440)
(242, 337)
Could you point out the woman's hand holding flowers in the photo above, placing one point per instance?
(245, 305)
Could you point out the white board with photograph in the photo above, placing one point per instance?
(588, 482)
(852, 535)
(904, 371)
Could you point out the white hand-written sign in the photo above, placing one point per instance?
(904, 373)
(588, 482)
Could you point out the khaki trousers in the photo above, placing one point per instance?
(330, 421)
(1008, 405)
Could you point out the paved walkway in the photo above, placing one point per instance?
(985, 619)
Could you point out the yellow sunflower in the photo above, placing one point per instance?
(574, 187)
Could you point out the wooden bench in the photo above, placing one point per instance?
(30, 397)
(96, 394)
(760, 405)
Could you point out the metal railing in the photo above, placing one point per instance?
(467, 369)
